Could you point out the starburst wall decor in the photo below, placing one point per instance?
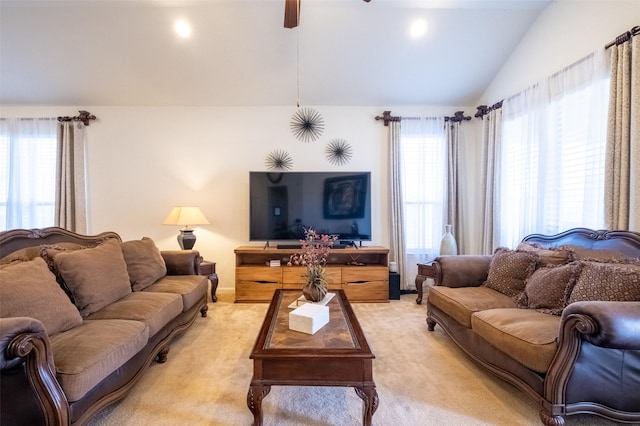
(307, 124)
(338, 152)
(279, 160)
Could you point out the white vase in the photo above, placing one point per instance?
(448, 244)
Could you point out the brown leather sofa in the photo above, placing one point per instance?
(583, 359)
(74, 341)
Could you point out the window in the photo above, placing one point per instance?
(551, 166)
(27, 173)
(423, 147)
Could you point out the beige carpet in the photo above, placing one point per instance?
(422, 378)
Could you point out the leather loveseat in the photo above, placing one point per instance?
(82, 317)
(559, 318)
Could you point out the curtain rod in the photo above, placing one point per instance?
(84, 116)
(484, 110)
(624, 37)
(458, 117)
(387, 117)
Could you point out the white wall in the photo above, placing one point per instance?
(565, 32)
(144, 160)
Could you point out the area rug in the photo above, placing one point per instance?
(422, 378)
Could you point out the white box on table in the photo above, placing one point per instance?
(309, 318)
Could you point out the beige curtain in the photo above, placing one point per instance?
(491, 137)
(71, 211)
(453, 209)
(397, 250)
(622, 179)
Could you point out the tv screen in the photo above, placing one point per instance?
(283, 204)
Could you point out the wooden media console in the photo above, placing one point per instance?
(362, 272)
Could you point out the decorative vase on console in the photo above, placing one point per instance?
(448, 244)
(315, 250)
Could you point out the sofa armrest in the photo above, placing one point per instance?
(615, 324)
(462, 270)
(601, 327)
(182, 262)
(10, 329)
(23, 340)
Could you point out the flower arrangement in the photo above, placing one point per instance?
(315, 251)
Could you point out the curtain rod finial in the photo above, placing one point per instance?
(386, 116)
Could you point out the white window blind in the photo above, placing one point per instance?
(27, 173)
(423, 180)
(551, 169)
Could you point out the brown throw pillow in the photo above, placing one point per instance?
(583, 253)
(144, 263)
(547, 256)
(29, 289)
(508, 271)
(49, 251)
(607, 282)
(95, 276)
(546, 288)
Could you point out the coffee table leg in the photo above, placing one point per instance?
(370, 397)
(254, 401)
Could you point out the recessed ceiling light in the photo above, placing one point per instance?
(418, 28)
(183, 29)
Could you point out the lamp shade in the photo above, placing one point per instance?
(187, 216)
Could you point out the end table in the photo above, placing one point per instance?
(209, 269)
(425, 270)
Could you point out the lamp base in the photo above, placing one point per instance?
(186, 239)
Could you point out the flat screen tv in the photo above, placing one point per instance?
(283, 204)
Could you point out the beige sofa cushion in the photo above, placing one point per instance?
(144, 263)
(87, 354)
(26, 253)
(95, 276)
(528, 336)
(460, 303)
(190, 287)
(29, 289)
(509, 269)
(154, 309)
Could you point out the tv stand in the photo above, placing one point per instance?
(362, 272)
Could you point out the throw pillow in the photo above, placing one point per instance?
(547, 255)
(49, 251)
(545, 290)
(144, 263)
(508, 271)
(95, 276)
(29, 289)
(607, 282)
(583, 253)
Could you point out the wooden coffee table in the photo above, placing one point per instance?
(336, 355)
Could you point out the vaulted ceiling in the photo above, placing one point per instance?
(344, 52)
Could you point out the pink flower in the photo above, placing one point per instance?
(315, 249)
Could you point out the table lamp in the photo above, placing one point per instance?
(189, 217)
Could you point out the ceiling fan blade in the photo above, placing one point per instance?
(291, 13)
